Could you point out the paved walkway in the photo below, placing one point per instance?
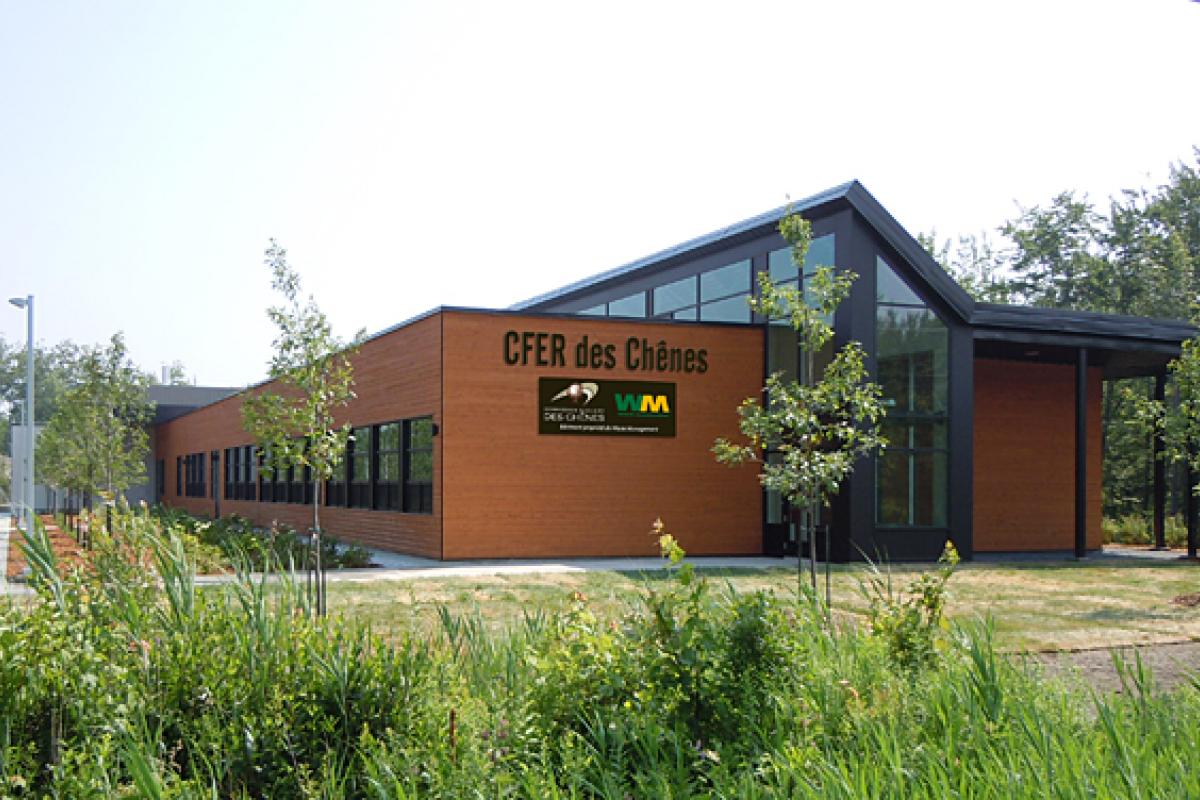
(399, 567)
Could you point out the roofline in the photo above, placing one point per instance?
(1068, 322)
(508, 312)
(767, 219)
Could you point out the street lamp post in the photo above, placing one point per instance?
(27, 304)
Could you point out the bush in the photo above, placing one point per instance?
(1138, 529)
(239, 540)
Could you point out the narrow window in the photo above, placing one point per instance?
(360, 468)
(335, 488)
(249, 472)
(387, 466)
(418, 466)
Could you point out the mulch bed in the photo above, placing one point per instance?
(66, 549)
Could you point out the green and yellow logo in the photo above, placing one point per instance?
(642, 405)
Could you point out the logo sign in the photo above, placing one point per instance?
(585, 406)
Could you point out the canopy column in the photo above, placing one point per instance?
(1081, 397)
(1160, 471)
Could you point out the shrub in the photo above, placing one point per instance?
(1137, 529)
(910, 623)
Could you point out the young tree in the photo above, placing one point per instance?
(819, 426)
(97, 440)
(294, 423)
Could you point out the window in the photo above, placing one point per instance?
(723, 293)
(387, 466)
(632, 306)
(359, 462)
(675, 298)
(194, 479)
(594, 311)
(418, 466)
(912, 356)
(335, 487)
(229, 480)
(266, 479)
(249, 472)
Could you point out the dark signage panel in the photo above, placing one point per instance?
(588, 406)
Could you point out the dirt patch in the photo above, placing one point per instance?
(1187, 600)
(1171, 665)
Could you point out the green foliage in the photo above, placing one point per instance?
(1137, 529)
(911, 623)
(1140, 255)
(821, 426)
(54, 372)
(974, 262)
(123, 682)
(97, 440)
(235, 541)
(296, 425)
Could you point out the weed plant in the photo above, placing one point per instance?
(128, 680)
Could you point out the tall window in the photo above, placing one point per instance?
(266, 475)
(194, 479)
(249, 472)
(359, 461)
(783, 347)
(418, 466)
(387, 466)
(912, 355)
(335, 487)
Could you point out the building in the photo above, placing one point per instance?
(565, 425)
(169, 401)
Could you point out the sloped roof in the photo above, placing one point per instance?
(991, 320)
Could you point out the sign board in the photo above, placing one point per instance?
(587, 406)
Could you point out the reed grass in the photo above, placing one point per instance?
(127, 681)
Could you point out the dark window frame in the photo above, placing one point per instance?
(418, 493)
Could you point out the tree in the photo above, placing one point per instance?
(816, 427)
(177, 374)
(1056, 260)
(53, 374)
(1178, 422)
(97, 440)
(294, 420)
(974, 263)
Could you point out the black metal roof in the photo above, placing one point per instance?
(990, 320)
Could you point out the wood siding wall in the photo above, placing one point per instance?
(512, 492)
(397, 376)
(1025, 456)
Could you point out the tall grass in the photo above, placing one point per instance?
(130, 681)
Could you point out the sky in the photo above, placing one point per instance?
(411, 155)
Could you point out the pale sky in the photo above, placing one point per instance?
(411, 155)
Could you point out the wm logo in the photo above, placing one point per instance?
(642, 404)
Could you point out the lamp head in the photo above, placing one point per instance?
(19, 302)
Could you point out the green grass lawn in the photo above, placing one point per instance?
(1040, 606)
